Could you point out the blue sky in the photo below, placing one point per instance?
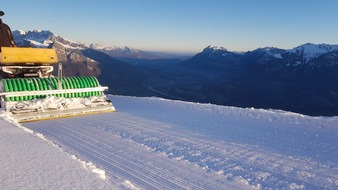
(180, 25)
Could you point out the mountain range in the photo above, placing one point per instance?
(302, 79)
(304, 55)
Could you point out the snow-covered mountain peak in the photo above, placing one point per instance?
(21, 32)
(311, 51)
(268, 48)
(43, 38)
(99, 46)
(271, 52)
(211, 48)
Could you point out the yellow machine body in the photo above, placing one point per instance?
(23, 56)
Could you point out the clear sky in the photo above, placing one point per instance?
(180, 25)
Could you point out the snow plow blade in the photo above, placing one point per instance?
(32, 99)
(54, 114)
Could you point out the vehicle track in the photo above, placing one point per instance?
(110, 162)
(250, 159)
(122, 158)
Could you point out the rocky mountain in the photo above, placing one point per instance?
(43, 38)
(69, 52)
(79, 59)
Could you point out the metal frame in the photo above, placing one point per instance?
(18, 69)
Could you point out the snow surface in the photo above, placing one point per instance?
(152, 143)
(28, 162)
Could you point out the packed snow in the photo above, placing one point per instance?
(153, 143)
(29, 161)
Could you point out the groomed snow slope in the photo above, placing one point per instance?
(28, 162)
(151, 143)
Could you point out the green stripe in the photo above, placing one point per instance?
(34, 84)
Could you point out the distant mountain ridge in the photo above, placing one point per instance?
(120, 52)
(130, 53)
(305, 55)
